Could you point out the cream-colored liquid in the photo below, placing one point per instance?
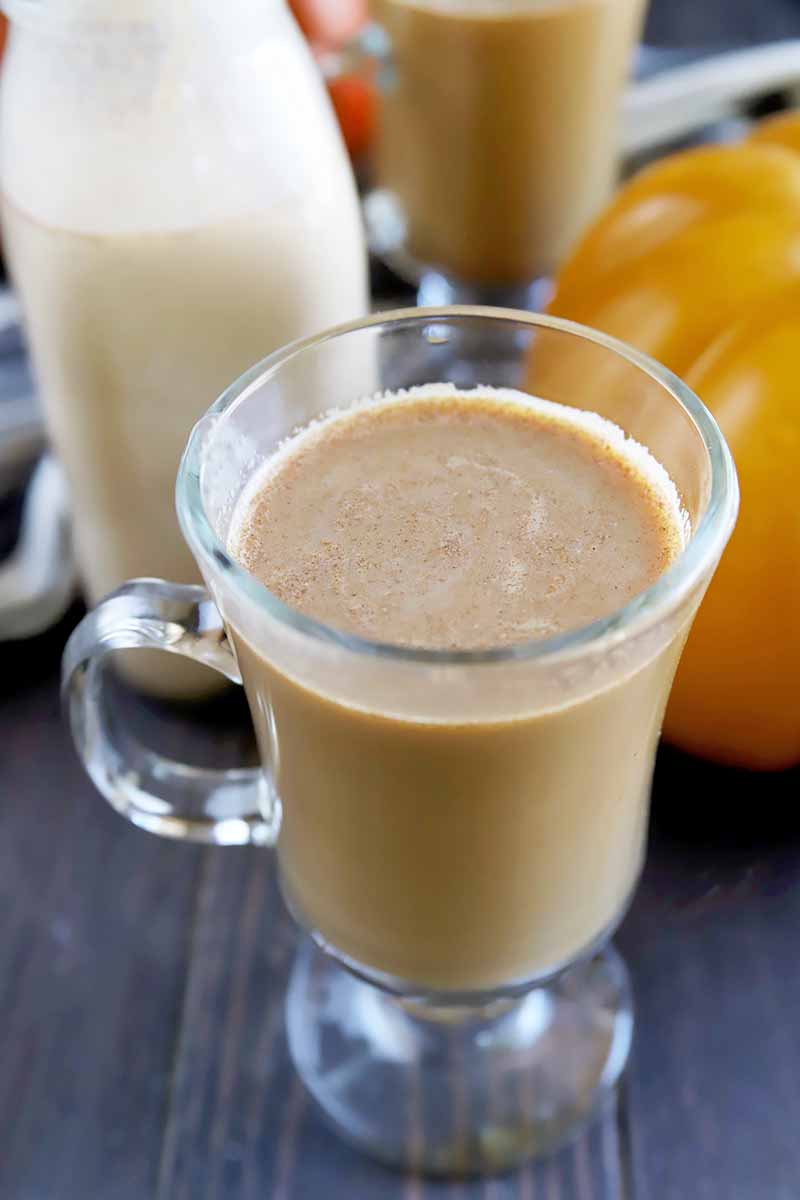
(459, 853)
(133, 336)
(498, 134)
(178, 204)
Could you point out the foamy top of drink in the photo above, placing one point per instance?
(447, 519)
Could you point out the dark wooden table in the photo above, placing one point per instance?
(142, 1050)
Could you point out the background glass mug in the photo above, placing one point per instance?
(498, 136)
(461, 830)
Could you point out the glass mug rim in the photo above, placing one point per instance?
(648, 607)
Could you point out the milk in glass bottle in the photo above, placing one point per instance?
(176, 204)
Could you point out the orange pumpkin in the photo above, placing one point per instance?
(782, 130)
(697, 262)
(355, 103)
(737, 694)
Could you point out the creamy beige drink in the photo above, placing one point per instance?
(499, 127)
(134, 334)
(170, 217)
(459, 853)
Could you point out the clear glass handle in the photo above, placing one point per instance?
(228, 807)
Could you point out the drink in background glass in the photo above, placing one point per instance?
(176, 204)
(456, 778)
(497, 138)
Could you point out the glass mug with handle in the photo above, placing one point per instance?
(497, 139)
(459, 832)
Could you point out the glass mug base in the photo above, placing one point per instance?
(466, 1089)
(386, 237)
(436, 288)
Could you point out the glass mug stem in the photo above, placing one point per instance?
(224, 807)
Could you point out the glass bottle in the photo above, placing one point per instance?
(177, 203)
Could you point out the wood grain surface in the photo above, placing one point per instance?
(142, 988)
